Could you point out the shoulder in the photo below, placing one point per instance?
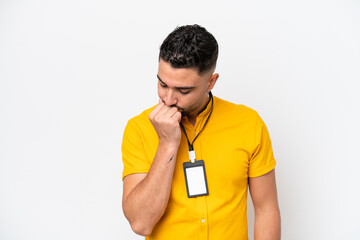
(233, 111)
(141, 122)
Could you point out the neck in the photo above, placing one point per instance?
(192, 116)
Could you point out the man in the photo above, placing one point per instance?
(189, 160)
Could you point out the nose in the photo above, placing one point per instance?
(170, 98)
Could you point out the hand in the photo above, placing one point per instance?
(166, 121)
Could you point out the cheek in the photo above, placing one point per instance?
(160, 92)
(190, 101)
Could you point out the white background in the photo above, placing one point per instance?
(73, 72)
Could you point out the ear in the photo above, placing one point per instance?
(212, 81)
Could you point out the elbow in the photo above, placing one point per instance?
(141, 228)
(139, 225)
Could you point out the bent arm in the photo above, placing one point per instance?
(145, 195)
(267, 214)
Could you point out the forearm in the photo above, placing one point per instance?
(147, 202)
(267, 225)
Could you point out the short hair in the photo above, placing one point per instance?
(190, 46)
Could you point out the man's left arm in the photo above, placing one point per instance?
(267, 214)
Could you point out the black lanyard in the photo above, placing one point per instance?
(191, 147)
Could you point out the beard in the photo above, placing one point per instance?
(182, 111)
(185, 112)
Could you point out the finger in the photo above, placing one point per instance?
(157, 108)
(177, 116)
(164, 111)
(171, 112)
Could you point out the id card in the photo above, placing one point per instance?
(195, 178)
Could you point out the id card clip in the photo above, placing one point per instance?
(192, 156)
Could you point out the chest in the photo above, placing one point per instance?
(226, 153)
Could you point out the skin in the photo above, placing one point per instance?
(267, 214)
(184, 91)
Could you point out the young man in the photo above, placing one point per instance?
(188, 161)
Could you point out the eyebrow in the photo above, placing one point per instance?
(181, 88)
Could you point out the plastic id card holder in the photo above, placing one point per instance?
(195, 178)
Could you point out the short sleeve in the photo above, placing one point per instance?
(262, 160)
(133, 153)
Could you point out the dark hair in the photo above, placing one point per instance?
(190, 46)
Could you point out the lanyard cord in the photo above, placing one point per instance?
(191, 147)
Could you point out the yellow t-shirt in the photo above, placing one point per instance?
(234, 145)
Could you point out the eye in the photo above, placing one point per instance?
(184, 92)
(163, 85)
